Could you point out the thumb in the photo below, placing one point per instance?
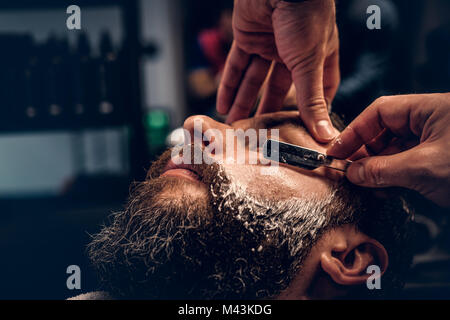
(386, 171)
(312, 104)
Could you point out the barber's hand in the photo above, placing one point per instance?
(410, 138)
(302, 41)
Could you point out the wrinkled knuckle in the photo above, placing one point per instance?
(322, 51)
(382, 101)
(227, 88)
(239, 37)
(316, 106)
(304, 64)
(246, 46)
(375, 172)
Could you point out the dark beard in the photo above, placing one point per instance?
(227, 246)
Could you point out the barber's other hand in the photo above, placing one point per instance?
(410, 138)
(301, 40)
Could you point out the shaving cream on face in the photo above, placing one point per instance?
(283, 184)
(284, 217)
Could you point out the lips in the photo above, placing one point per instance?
(185, 171)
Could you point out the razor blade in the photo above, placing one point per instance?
(301, 157)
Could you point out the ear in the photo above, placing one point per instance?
(347, 253)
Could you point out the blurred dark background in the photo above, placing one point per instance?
(83, 113)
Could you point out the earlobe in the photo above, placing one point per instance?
(349, 266)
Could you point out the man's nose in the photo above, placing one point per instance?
(204, 130)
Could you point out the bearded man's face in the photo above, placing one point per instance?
(221, 230)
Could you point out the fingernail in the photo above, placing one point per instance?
(324, 130)
(356, 174)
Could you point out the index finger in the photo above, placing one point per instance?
(236, 64)
(392, 113)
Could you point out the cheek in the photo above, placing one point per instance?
(283, 184)
(304, 185)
